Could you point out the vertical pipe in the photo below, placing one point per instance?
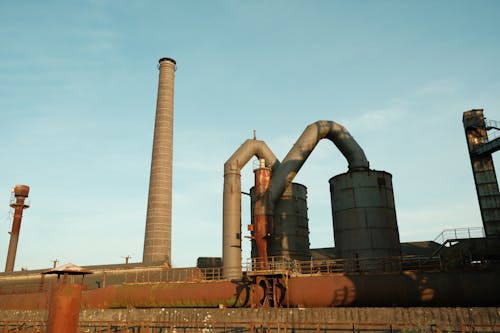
(21, 193)
(231, 205)
(157, 239)
(262, 220)
(64, 308)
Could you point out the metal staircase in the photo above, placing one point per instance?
(450, 237)
(483, 140)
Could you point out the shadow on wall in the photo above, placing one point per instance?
(400, 289)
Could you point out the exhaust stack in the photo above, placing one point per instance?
(157, 239)
(19, 204)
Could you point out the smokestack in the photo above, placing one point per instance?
(157, 239)
(20, 193)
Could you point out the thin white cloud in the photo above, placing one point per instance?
(438, 87)
(376, 119)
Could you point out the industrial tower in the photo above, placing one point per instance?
(481, 147)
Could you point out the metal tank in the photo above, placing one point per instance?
(364, 219)
(289, 235)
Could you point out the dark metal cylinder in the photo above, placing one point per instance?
(289, 230)
(364, 217)
(158, 235)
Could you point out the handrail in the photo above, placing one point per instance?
(276, 265)
(459, 233)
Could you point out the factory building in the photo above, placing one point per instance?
(370, 281)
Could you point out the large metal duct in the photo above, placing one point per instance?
(157, 239)
(282, 176)
(296, 157)
(21, 192)
(231, 248)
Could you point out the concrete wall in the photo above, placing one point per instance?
(423, 317)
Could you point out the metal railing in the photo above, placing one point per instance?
(492, 125)
(117, 277)
(153, 275)
(459, 233)
(277, 265)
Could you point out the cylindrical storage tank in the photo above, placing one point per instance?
(364, 219)
(290, 231)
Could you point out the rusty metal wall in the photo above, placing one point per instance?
(64, 308)
(158, 235)
(364, 217)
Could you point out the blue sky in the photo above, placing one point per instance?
(78, 92)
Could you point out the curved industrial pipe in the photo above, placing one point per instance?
(306, 143)
(231, 248)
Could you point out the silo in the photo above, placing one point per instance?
(289, 235)
(364, 217)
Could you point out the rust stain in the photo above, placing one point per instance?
(262, 220)
(174, 294)
(321, 291)
(64, 308)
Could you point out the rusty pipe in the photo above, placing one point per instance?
(231, 247)
(21, 192)
(64, 308)
(207, 294)
(262, 218)
(296, 157)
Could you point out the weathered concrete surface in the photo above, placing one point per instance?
(415, 316)
(24, 315)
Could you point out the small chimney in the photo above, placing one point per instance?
(19, 204)
(157, 239)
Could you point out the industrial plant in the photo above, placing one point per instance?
(369, 282)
